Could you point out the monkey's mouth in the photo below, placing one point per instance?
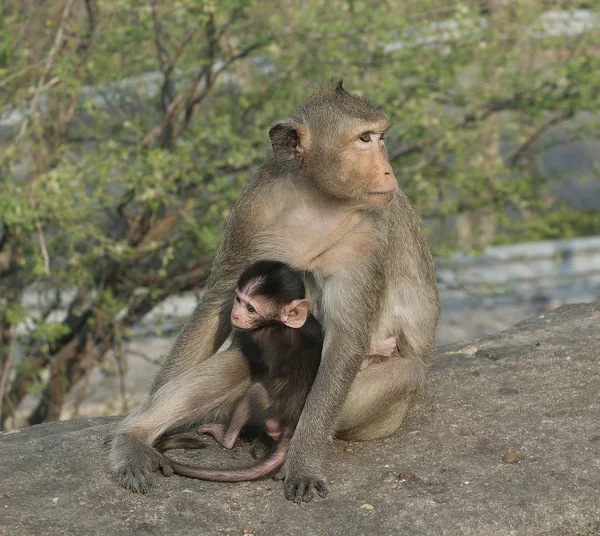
(386, 196)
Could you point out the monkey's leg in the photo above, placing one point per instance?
(216, 430)
(227, 435)
(379, 399)
(210, 390)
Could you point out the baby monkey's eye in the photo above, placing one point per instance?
(366, 137)
(250, 309)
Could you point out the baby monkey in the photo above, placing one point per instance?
(282, 343)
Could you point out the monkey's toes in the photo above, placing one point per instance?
(303, 489)
(133, 463)
(138, 481)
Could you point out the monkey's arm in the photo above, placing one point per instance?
(209, 325)
(203, 334)
(348, 324)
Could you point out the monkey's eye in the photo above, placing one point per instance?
(250, 309)
(237, 299)
(365, 137)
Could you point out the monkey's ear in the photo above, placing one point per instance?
(295, 314)
(290, 142)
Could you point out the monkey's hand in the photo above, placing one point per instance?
(133, 463)
(300, 483)
(385, 348)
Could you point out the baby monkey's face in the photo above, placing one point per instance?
(251, 311)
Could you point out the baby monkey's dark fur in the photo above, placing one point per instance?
(283, 364)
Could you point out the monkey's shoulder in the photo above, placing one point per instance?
(267, 190)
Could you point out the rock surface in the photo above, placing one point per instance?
(505, 441)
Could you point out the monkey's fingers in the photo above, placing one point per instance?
(171, 443)
(298, 495)
(165, 467)
(136, 482)
(289, 490)
(321, 488)
(302, 490)
(134, 462)
(310, 492)
(259, 450)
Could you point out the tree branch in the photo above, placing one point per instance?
(526, 145)
(44, 249)
(168, 92)
(58, 41)
(211, 79)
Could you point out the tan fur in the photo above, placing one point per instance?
(379, 398)
(212, 389)
(371, 276)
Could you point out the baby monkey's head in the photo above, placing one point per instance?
(269, 292)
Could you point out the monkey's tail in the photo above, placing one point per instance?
(270, 465)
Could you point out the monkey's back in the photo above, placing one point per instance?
(285, 361)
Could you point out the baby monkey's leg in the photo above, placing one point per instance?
(255, 397)
(227, 435)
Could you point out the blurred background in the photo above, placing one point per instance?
(127, 128)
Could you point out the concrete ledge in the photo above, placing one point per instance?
(505, 441)
(527, 263)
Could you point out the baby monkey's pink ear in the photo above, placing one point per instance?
(294, 315)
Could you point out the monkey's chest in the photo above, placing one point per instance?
(324, 244)
(339, 256)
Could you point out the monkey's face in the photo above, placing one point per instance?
(252, 311)
(249, 312)
(365, 168)
(356, 169)
(336, 143)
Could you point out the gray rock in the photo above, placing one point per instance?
(505, 441)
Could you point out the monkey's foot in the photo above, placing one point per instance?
(273, 429)
(133, 463)
(259, 450)
(219, 432)
(301, 487)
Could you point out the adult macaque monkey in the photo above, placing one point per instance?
(325, 201)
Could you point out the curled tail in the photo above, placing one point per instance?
(268, 466)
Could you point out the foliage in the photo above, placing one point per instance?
(129, 127)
